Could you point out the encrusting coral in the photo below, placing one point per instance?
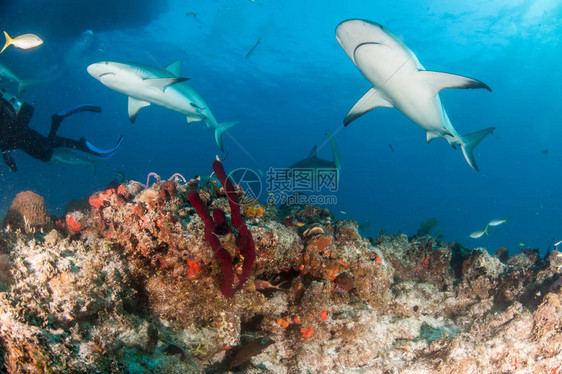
(132, 285)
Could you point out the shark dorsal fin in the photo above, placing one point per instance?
(312, 153)
(174, 68)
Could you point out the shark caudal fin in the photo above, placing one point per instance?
(470, 141)
(222, 127)
(335, 150)
(23, 84)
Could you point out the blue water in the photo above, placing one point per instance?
(298, 83)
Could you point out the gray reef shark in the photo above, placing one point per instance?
(147, 85)
(22, 83)
(313, 162)
(76, 157)
(72, 157)
(400, 81)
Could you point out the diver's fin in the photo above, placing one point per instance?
(8, 41)
(470, 141)
(439, 81)
(134, 106)
(78, 109)
(57, 118)
(371, 100)
(174, 68)
(103, 153)
(162, 83)
(222, 127)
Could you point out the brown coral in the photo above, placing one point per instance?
(27, 213)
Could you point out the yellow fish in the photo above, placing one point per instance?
(25, 41)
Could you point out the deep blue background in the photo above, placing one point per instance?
(299, 83)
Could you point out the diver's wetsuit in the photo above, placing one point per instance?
(15, 132)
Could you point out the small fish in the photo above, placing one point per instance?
(251, 51)
(557, 244)
(191, 14)
(300, 224)
(521, 244)
(343, 212)
(25, 41)
(497, 222)
(477, 234)
(391, 147)
(545, 151)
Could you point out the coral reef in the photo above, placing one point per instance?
(131, 285)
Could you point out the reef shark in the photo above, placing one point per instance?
(147, 85)
(76, 157)
(313, 162)
(400, 81)
(71, 157)
(22, 83)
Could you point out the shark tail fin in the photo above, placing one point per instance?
(26, 83)
(220, 129)
(470, 141)
(8, 41)
(335, 150)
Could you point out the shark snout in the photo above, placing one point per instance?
(353, 32)
(98, 69)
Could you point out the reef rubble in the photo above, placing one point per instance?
(129, 284)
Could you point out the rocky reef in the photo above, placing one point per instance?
(130, 285)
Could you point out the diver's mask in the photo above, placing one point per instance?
(19, 111)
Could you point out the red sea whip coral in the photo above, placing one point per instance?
(218, 225)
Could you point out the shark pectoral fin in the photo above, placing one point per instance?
(470, 141)
(222, 127)
(134, 106)
(439, 81)
(174, 68)
(162, 83)
(371, 100)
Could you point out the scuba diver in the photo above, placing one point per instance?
(15, 133)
